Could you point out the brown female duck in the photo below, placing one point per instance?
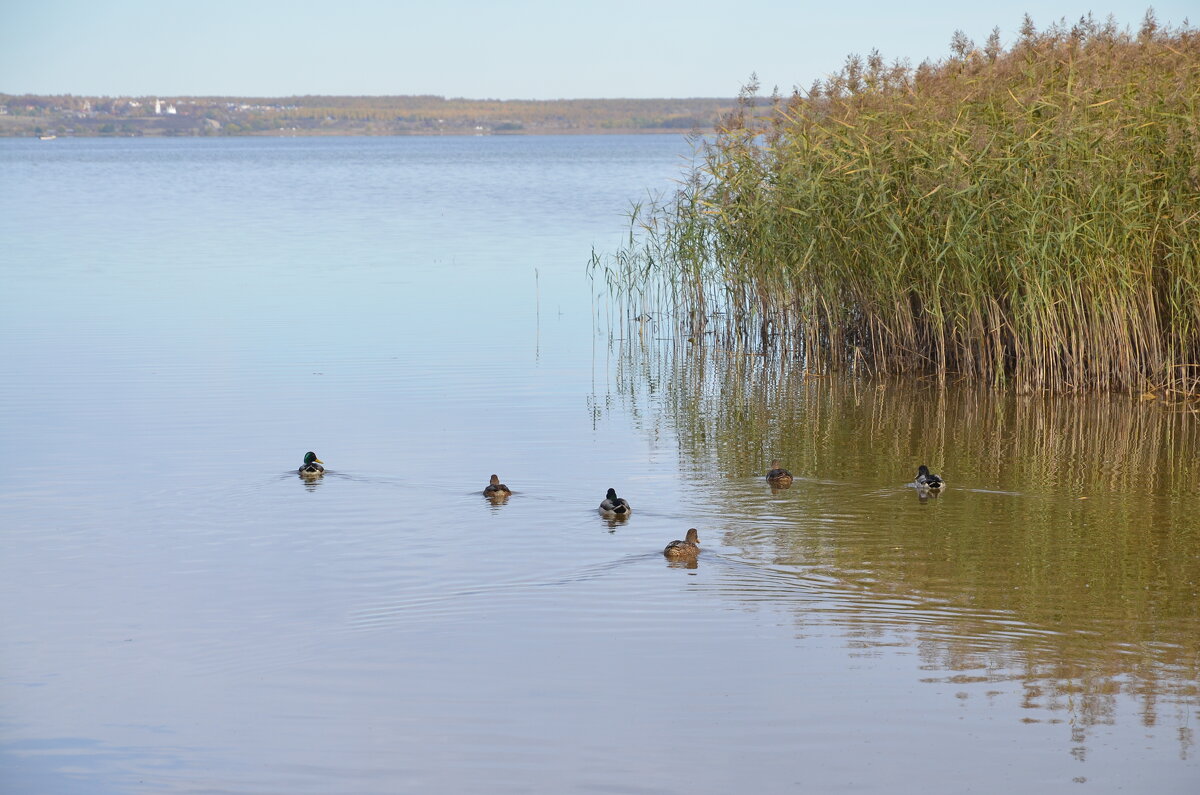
(778, 476)
(495, 489)
(686, 549)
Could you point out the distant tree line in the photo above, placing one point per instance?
(392, 115)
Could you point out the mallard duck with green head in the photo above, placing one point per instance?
(778, 476)
(687, 549)
(927, 480)
(614, 505)
(311, 466)
(495, 489)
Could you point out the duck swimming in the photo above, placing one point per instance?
(496, 489)
(778, 476)
(614, 505)
(927, 480)
(684, 550)
(312, 465)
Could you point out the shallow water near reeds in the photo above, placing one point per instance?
(183, 319)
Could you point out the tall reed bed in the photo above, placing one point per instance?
(1025, 216)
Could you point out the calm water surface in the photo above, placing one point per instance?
(182, 319)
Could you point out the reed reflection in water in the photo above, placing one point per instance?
(1063, 557)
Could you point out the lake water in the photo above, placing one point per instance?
(181, 320)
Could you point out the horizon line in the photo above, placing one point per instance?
(361, 96)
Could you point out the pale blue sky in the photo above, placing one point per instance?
(541, 49)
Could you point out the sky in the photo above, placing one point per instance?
(519, 49)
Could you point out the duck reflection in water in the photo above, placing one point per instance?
(613, 523)
(311, 483)
(924, 495)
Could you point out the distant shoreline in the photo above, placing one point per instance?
(4, 134)
(89, 117)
